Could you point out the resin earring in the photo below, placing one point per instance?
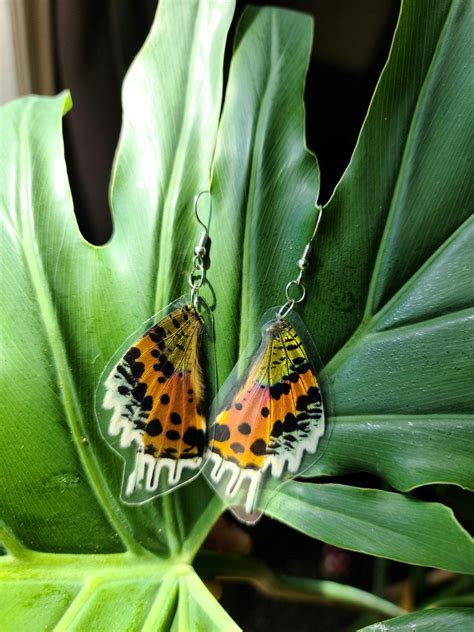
(269, 413)
(155, 390)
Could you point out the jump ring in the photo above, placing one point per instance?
(285, 309)
(194, 281)
(197, 262)
(302, 291)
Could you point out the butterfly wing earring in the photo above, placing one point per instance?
(154, 387)
(269, 414)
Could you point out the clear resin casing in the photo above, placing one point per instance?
(150, 402)
(267, 421)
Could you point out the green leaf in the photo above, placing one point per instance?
(376, 522)
(387, 440)
(399, 278)
(384, 435)
(68, 305)
(393, 297)
(407, 188)
(401, 381)
(439, 619)
(265, 182)
(401, 449)
(389, 286)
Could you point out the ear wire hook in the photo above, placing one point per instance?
(196, 203)
(299, 289)
(197, 274)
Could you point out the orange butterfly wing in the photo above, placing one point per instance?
(271, 419)
(156, 392)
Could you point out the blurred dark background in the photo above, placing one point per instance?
(93, 44)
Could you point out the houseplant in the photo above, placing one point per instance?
(389, 309)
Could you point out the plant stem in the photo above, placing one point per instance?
(203, 525)
(302, 589)
(11, 543)
(379, 576)
(171, 526)
(460, 601)
(161, 608)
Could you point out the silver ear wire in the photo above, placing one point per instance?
(200, 249)
(196, 203)
(297, 284)
(197, 274)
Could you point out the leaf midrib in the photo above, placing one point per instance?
(73, 610)
(369, 323)
(36, 565)
(416, 120)
(260, 126)
(411, 282)
(160, 608)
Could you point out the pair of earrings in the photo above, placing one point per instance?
(267, 417)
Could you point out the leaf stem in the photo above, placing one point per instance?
(171, 525)
(379, 575)
(162, 608)
(84, 595)
(301, 589)
(203, 525)
(456, 601)
(458, 586)
(11, 543)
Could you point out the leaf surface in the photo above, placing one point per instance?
(400, 382)
(265, 182)
(440, 619)
(376, 522)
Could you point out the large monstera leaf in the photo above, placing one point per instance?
(66, 308)
(388, 306)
